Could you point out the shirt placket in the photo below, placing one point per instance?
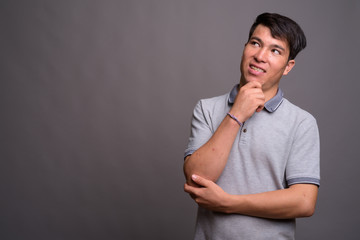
(243, 134)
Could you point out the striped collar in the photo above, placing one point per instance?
(270, 105)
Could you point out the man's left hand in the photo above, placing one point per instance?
(209, 195)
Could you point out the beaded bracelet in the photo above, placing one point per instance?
(233, 117)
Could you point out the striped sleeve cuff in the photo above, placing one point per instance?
(188, 152)
(299, 180)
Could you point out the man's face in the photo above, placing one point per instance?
(265, 59)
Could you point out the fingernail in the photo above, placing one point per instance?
(194, 177)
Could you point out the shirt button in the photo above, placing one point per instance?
(244, 130)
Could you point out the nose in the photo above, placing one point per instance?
(260, 55)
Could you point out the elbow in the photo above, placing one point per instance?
(194, 166)
(307, 209)
(187, 169)
(190, 167)
(306, 196)
(306, 213)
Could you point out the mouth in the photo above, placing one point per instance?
(257, 69)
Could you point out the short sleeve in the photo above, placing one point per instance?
(304, 160)
(201, 131)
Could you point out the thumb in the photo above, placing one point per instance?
(260, 108)
(200, 180)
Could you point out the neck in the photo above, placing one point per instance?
(270, 93)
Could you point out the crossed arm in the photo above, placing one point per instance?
(204, 166)
(297, 201)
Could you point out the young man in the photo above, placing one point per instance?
(252, 161)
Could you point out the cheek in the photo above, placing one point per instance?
(242, 63)
(246, 57)
(279, 67)
(246, 53)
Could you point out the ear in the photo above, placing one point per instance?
(289, 66)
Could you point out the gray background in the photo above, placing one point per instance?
(96, 100)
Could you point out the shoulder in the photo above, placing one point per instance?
(297, 119)
(212, 110)
(214, 103)
(215, 100)
(292, 110)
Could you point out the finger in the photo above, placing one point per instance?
(257, 84)
(254, 84)
(193, 196)
(187, 188)
(190, 190)
(260, 108)
(200, 180)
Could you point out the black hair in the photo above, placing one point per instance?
(283, 28)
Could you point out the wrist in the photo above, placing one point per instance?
(230, 204)
(235, 118)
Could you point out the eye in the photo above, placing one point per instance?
(254, 43)
(277, 52)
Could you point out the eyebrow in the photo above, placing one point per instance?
(272, 45)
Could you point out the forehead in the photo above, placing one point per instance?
(263, 33)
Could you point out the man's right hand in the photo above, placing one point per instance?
(249, 99)
(210, 159)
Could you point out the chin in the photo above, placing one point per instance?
(250, 78)
(254, 80)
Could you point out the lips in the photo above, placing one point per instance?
(257, 68)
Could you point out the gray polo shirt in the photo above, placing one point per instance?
(274, 149)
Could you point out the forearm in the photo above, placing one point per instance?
(296, 201)
(210, 159)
